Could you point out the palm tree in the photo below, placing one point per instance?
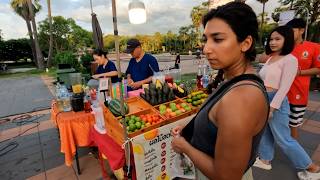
(22, 10)
(51, 36)
(183, 32)
(0, 35)
(196, 16)
(35, 35)
(27, 11)
(262, 17)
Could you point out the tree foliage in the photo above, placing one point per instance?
(67, 35)
(301, 7)
(15, 50)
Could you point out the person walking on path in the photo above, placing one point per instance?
(278, 73)
(308, 55)
(223, 138)
(177, 61)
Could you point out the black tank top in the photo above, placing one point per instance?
(202, 133)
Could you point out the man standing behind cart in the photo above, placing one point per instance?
(141, 66)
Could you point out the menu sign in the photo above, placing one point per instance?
(155, 159)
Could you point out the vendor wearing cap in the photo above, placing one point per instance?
(141, 66)
(106, 67)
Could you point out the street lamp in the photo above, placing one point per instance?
(137, 15)
(137, 12)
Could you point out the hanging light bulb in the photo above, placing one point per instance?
(137, 12)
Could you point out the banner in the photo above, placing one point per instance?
(155, 159)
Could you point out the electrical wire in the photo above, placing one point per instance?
(19, 121)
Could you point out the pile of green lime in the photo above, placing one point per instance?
(196, 98)
(134, 123)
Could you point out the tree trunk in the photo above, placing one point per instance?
(32, 42)
(291, 4)
(35, 35)
(56, 44)
(51, 37)
(262, 21)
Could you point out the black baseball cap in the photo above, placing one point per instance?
(132, 44)
(297, 23)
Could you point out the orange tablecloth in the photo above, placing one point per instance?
(74, 128)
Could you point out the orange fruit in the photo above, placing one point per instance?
(151, 134)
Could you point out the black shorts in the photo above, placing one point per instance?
(296, 115)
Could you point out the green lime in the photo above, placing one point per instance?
(132, 121)
(187, 108)
(194, 98)
(199, 96)
(138, 119)
(138, 125)
(132, 127)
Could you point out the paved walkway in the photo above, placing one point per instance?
(23, 94)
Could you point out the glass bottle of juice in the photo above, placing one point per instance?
(199, 78)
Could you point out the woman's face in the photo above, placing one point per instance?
(221, 46)
(99, 59)
(276, 42)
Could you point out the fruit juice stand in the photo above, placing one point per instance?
(149, 121)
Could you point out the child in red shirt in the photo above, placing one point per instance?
(308, 55)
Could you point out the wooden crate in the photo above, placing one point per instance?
(115, 128)
(137, 104)
(146, 129)
(178, 117)
(195, 108)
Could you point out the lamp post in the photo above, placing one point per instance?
(137, 12)
(116, 37)
(137, 15)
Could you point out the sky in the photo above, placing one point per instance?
(162, 15)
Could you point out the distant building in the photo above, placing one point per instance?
(216, 3)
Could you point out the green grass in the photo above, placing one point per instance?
(33, 72)
(188, 77)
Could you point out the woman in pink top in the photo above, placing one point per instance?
(278, 74)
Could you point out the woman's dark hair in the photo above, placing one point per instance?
(243, 22)
(288, 44)
(100, 52)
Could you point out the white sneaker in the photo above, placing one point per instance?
(262, 165)
(306, 175)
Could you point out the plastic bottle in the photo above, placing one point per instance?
(205, 77)
(58, 97)
(98, 114)
(65, 97)
(124, 88)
